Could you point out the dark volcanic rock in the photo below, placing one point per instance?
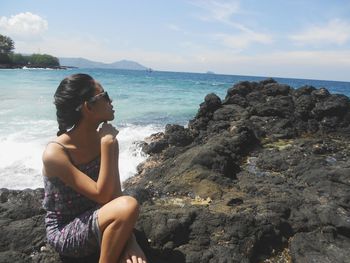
(322, 245)
(266, 169)
(280, 106)
(211, 103)
(304, 90)
(334, 105)
(242, 88)
(262, 176)
(274, 89)
(177, 135)
(22, 229)
(155, 147)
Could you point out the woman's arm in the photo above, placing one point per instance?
(117, 190)
(107, 180)
(57, 164)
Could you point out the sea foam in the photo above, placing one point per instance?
(21, 163)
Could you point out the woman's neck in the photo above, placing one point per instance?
(84, 133)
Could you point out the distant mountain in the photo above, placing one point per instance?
(85, 63)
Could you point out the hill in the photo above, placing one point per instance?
(85, 63)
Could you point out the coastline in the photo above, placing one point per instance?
(10, 66)
(260, 175)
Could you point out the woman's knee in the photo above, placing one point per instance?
(128, 205)
(121, 209)
(124, 208)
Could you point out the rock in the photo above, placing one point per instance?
(320, 94)
(242, 89)
(304, 90)
(229, 113)
(274, 89)
(155, 147)
(177, 135)
(280, 106)
(236, 99)
(268, 81)
(211, 103)
(303, 106)
(322, 245)
(332, 106)
(22, 224)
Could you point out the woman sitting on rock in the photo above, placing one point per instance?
(86, 212)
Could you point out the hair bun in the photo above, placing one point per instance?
(60, 132)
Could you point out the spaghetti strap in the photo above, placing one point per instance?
(65, 149)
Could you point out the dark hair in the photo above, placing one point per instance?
(71, 93)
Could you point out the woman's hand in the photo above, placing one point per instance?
(107, 133)
(133, 253)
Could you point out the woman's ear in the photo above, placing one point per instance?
(86, 106)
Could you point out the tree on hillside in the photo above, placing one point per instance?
(19, 59)
(43, 60)
(6, 47)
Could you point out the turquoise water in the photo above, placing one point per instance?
(144, 103)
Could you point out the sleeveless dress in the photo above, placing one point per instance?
(71, 219)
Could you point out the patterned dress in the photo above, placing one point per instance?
(71, 219)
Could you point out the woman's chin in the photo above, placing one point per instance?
(110, 118)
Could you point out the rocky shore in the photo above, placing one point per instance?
(261, 176)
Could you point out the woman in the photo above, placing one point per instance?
(86, 211)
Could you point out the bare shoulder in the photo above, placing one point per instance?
(52, 151)
(55, 149)
(54, 158)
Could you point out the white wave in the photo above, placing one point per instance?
(130, 152)
(19, 175)
(6, 112)
(26, 68)
(21, 152)
(20, 164)
(21, 147)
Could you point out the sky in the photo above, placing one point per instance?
(275, 38)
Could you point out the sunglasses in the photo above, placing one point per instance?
(95, 98)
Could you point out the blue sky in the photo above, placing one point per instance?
(291, 38)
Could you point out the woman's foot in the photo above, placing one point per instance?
(133, 252)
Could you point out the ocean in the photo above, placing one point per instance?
(144, 102)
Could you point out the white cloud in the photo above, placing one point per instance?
(223, 12)
(61, 46)
(174, 27)
(335, 32)
(241, 41)
(217, 10)
(23, 25)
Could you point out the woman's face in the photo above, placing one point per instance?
(102, 105)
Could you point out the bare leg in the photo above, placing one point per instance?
(116, 220)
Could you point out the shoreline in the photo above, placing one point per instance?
(8, 66)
